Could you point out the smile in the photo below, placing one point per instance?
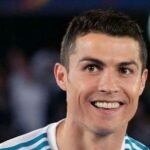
(106, 105)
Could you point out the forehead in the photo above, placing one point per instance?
(102, 45)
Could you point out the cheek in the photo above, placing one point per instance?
(78, 92)
(131, 103)
(133, 92)
(133, 86)
(74, 92)
(136, 88)
(80, 82)
(75, 101)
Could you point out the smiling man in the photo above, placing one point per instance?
(103, 71)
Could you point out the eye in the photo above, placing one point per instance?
(125, 70)
(91, 68)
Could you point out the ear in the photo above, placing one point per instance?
(143, 80)
(60, 75)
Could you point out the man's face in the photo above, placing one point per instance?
(103, 83)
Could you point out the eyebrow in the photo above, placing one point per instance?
(94, 60)
(97, 61)
(128, 63)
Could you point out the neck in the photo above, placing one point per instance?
(70, 136)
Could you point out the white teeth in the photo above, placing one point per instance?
(107, 105)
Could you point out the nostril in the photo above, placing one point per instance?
(108, 91)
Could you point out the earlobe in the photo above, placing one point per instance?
(143, 81)
(60, 73)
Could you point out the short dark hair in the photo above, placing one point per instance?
(109, 22)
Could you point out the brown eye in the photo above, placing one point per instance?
(92, 68)
(125, 71)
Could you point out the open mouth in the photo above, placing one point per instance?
(106, 105)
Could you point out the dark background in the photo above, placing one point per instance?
(31, 26)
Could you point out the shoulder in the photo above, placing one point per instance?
(33, 140)
(133, 144)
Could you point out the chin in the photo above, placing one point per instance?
(104, 132)
(104, 129)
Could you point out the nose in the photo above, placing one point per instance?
(108, 82)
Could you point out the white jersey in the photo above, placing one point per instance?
(45, 139)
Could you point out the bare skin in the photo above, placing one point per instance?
(103, 85)
(79, 140)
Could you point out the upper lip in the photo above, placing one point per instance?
(108, 98)
(108, 101)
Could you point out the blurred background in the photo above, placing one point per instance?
(30, 37)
